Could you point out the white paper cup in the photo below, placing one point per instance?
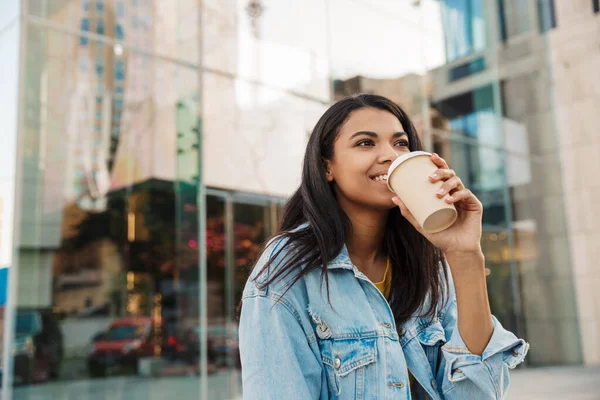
(408, 177)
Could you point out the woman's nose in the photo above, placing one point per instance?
(388, 155)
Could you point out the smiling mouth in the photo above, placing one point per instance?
(380, 179)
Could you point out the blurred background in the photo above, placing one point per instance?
(148, 146)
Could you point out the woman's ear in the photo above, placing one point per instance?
(328, 171)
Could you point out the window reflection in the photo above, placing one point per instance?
(250, 230)
(108, 253)
(236, 232)
(464, 27)
(216, 281)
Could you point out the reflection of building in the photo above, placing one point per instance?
(409, 91)
(504, 97)
(102, 253)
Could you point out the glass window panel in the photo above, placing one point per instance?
(251, 224)
(464, 27)
(173, 25)
(515, 17)
(100, 27)
(481, 169)
(267, 41)
(546, 14)
(108, 255)
(243, 127)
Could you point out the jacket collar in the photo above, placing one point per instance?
(342, 260)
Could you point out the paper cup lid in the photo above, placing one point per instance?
(400, 160)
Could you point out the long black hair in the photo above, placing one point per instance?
(415, 261)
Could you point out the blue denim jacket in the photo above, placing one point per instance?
(304, 347)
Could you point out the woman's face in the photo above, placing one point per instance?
(368, 142)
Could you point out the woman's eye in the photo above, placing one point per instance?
(364, 143)
(402, 143)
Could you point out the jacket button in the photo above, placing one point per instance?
(434, 384)
(402, 331)
(337, 363)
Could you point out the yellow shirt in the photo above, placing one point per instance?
(385, 286)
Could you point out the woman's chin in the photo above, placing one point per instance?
(385, 204)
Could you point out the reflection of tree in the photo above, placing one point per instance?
(156, 250)
(215, 242)
(248, 240)
(248, 236)
(247, 244)
(165, 248)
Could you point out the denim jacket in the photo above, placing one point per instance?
(304, 346)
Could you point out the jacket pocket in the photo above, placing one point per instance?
(346, 363)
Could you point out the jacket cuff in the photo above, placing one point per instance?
(512, 349)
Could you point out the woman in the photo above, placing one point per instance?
(352, 299)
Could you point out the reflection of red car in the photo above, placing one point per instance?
(121, 345)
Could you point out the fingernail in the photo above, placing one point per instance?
(394, 200)
(441, 191)
(433, 176)
(449, 198)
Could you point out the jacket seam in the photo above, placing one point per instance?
(488, 368)
(280, 241)
(311, 338)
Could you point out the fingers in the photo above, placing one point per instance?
(439, 161)
(452, 184)
(459, 195)
(442, 174)
(451, 181)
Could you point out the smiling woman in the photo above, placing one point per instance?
(366, 145)
(387, 281)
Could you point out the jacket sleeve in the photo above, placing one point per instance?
(470, 376)
(277, 361)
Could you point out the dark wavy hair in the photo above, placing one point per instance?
(415, 261)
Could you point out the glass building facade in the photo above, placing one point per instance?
(152, 144)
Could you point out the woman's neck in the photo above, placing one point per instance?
(365, 239)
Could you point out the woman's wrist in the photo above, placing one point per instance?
(472, 259)
(462, 253)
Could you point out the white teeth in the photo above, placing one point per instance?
(381, 178)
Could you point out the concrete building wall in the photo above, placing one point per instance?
(550, 85)
(574, 55)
